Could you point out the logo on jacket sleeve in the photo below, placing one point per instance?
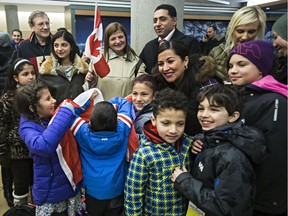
(200, 166)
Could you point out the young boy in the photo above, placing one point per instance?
(222, 181)
(164, 146)
(103, 146)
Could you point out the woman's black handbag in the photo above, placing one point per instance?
(21, 210)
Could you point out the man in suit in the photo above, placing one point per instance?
(165, 21)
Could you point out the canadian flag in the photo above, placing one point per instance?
(93, 47)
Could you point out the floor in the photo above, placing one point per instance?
(3, 204)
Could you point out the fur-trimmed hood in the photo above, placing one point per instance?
(51, 66)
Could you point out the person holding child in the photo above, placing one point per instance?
(250, 65)
(222, 181)
(52, 191)
(148, 188)
(103, 143)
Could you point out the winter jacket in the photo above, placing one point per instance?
(223, 180)
(118, 83)
(220, 56)
(7, 56)
(266, 109)
(142, 117)
(148, 187)
(60, 85)
(103, 154)
(50, 183)
(10, 120)
(31, 49)
(150, 51)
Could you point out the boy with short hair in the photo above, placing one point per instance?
(222, 181)
(164, 146)
(103, 145)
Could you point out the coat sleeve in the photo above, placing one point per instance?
(45, 142)
(232, 187)
(134, 189)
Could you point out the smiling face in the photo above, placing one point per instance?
(212, 116)
(280, 44)
(163, 24)
(46, 104)
(170, 124)
(247, 32)
(117, 42)
(62, 49)
(16, 36)
(242, 71)
(25, 76)
(142, 94)
(171, 66)
(41, 27)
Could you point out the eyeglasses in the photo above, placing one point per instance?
(42, 24)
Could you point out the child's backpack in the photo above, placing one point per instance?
(21, 210)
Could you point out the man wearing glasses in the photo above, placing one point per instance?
(38, 46)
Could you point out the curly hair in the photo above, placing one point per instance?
(169, 99)
(27, 98)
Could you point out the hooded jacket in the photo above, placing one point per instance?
(60, 85)
(223, 180)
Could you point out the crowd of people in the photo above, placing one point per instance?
(185, 127)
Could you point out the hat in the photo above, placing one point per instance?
(5, 40)
(259, 52)
(280, 27)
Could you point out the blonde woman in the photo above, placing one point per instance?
(123, 62)
(247, 24)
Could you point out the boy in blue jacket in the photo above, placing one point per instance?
(103, 144)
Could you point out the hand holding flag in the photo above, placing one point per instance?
(93, 47)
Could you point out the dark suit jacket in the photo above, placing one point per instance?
(150, 51)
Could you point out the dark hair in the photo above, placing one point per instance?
(227, 96)
(28, 96)
(67, 36)
(17, 30)
(145, 79)
(171, 9)
(214, 27)
(62, 29)
(187, 83)
(103, 117)
(11, 83)
(169, 99)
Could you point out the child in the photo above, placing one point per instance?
(21, 73)
(148, 187)
(52, 192)
(141, 98)
(103, 145)
(222, 181)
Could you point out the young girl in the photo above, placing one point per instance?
(250, 66)
(141, 98)
(222, 181)
(52, 192)
(64, 71)
(21, 73)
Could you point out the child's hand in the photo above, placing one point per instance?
(197, 147)
(177, 172)
(93, 95)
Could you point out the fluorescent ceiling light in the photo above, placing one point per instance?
(220, 1)
(258, 2)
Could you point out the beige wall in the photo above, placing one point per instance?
(55, 13)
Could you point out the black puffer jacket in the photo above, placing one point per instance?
(223, 180)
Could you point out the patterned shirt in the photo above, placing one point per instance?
(148, 188)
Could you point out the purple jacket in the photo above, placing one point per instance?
(50, 183)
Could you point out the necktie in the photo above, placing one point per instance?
(161, 41)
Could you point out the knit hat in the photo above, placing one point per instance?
(280, 27)
(5, 40)
(259, 52)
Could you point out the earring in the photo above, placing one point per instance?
(185, 67)
(17, 85)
